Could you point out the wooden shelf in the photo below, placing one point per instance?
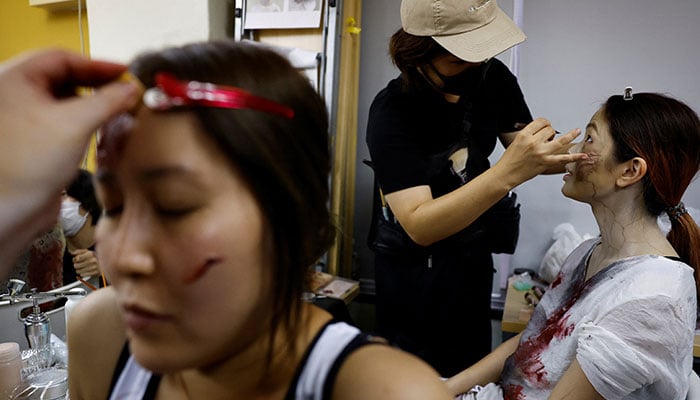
(514, 320)
(324, 284)
(55, 5)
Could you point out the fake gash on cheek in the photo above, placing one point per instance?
(200, 270)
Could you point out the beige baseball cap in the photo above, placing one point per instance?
(473, 30)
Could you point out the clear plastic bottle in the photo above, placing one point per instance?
(10, 368)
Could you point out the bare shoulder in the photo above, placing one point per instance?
(383, 372)
(95, 336)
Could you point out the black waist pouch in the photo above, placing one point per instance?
(502, 223)
(388, 237)
(498, 229)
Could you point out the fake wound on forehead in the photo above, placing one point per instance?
(112, 138)
(112, 134)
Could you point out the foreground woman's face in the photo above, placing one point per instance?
(182, 241)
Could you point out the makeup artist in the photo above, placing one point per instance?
(430, 133)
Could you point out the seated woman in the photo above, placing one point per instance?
(79, 215)
(215, 196)
(619, 319)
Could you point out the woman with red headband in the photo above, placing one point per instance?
(215, 195)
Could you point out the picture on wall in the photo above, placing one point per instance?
(279, 14)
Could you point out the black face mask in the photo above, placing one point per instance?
(460, 84)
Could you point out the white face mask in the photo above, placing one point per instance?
(70, 217)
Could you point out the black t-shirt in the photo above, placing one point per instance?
(411, 131)
(408, 128)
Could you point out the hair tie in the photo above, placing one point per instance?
(675, 212)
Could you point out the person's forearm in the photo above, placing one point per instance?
(486, 370)
(44, 135)
(446, 215)
(532, 151)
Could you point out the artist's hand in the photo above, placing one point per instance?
(85, 263)
(536, 150)
(44, 124)
(44, 130)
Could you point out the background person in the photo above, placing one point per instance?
(79, 215)
(618, 321)
(213, 214)
(430, 133)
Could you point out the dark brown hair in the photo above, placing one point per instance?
(82, 189)
(286, 162)
(408, 52)
(664, 132)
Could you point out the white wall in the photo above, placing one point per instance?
(576, 55)
(119, 30)
(380, 19)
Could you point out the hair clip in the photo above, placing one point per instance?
(170, 92)
(628, 93)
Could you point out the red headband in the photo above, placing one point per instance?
(170, 92)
